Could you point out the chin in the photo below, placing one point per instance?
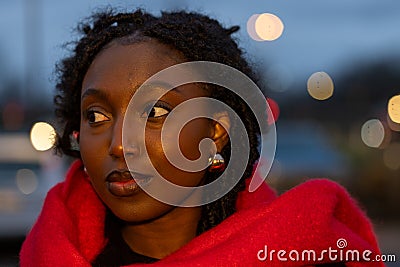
(138, 211)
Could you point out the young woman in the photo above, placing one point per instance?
(102, 216)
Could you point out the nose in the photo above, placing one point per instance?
(117, 149)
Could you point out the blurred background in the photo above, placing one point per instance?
(332, 67)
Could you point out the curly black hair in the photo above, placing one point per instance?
(199, 38)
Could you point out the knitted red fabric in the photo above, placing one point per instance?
(312, 216)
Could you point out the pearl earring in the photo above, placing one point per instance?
(217, 163)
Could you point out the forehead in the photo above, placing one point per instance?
(129, 65)
(120, 69)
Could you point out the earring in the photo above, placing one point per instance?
(75, 135)
(86, 173)
(217, 163)
(74, 140)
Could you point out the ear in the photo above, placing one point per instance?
(221, 125)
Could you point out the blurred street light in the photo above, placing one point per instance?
(320, 86)
(265, 27)
(42, 136)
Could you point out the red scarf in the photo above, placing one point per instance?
(312, 216)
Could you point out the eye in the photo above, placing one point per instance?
(157, 111)
(96, 117)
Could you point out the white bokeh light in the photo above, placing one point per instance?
(320, 86)
(269, 27)
(26, 181)
(265, 27)
(373, 133)
(251, 29)
(42, 136)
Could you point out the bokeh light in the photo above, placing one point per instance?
(373, 133)
(269, 27)
(391, 156)
(26, 181)
(251, 29)
(265, 27)
(320, 86)
(394, 108)
(274, 109)
(42, 136)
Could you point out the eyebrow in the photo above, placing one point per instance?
(163, 85)
(94, 92)
(104, 96)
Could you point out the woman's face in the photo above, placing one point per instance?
(108, 86)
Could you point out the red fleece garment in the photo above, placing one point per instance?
(311, 216)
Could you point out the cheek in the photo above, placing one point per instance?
(191, 136)
(189, 140)
(93, 150)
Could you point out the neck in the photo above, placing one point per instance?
(164, 235)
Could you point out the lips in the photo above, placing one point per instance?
(123, 183)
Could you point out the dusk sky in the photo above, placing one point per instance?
(319, 35)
